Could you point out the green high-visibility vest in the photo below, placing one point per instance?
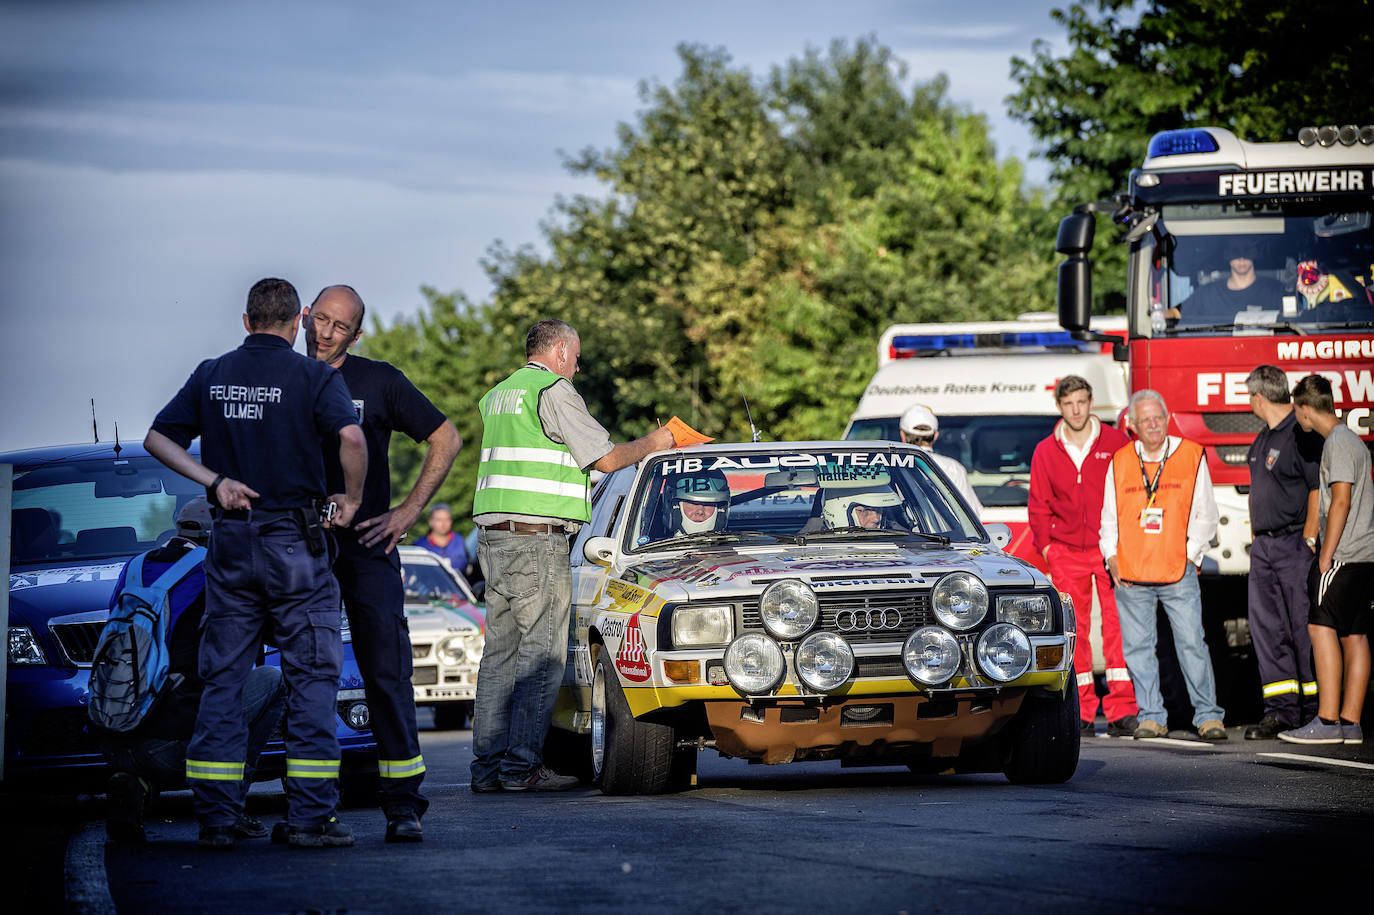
(522, 471)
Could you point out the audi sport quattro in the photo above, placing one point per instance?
(806, 601)
(446, 636)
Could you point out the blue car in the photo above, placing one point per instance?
(79, 513)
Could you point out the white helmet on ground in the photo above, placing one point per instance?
(840, 503)
(706, 495)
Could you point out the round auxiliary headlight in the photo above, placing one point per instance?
(1004, 652)
(452, 650)
(824, 661)
(960, 600)
(754, 664)
(358, 717)
(931, 655)
(789, 608)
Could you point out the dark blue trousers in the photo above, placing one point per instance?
(261, 580)
(1278, 627)
(374, 596)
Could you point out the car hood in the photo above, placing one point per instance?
(441, 616)
(721, 571)
(37, 595)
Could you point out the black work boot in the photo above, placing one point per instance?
(403, 826)
(126, 796)
(329, 834)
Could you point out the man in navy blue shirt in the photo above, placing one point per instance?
(263, 413)
(1284, 481)
(368, 568)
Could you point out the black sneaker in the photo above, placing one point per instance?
(486, 787)
(1123, 727)
(329, 834)
(221, 838)
(125, 799)
(1267, 729)
(404, 826)
(541, 779)
(249, 827)
(1087, 729)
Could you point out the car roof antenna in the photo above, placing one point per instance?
(95, 430)
(753, 432)
(117, 447)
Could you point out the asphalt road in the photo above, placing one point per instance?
(1143, 826)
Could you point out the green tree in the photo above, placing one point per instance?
(1261, 68)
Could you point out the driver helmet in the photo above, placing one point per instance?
(708, 489)
(838, 510)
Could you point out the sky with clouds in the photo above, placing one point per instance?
(157, 157)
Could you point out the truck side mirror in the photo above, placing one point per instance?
(1075, 240)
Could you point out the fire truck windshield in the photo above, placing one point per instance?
(1275, 268)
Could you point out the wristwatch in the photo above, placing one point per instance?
(1311, 542)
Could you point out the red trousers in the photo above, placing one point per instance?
(1075, 571)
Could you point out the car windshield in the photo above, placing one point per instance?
(1259, 269)
(95, 509)
(729, 496)
(995, 450)
(430, 581)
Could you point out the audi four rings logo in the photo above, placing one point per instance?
(871, 620)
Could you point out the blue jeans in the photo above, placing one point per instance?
(1182, 602)
(529, 598)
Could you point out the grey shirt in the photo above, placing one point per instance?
(1345, 459)
(563, 414)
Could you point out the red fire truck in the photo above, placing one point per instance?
(1240, 254)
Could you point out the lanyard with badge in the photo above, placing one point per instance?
(1152, 516)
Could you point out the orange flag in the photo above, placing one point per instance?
(684, 434)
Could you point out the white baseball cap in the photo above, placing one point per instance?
(919, 420)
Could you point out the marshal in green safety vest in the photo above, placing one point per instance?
(522, 471)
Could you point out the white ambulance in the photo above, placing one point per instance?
(991, 385)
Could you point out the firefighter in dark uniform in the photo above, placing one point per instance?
(263, 413)
(368, 568)
(1284, 491)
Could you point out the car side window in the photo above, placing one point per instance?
(606, 500)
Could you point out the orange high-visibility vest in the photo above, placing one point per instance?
(1154, 558)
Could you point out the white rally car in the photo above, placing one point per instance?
(446, 635)
(807, 601)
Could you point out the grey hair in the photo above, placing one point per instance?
(1146, 394)
(547, 333)
(1269, 382)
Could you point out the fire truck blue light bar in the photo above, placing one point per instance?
(1181, 143)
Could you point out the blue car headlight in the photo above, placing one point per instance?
(24, 647)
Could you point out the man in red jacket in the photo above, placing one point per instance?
(1068, 471)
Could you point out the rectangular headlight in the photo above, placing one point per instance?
(693, 626)
(1031, 612)
(24, 648)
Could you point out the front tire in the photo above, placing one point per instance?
(1042, 742)
(629, 756)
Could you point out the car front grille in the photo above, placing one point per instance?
(858, 615)
(78, 641)
(59, 732)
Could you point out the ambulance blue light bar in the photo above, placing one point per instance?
(1181, 143)
(905, 346)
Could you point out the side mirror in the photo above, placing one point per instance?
(1075, 240)
(599, 550)
(1000, 534)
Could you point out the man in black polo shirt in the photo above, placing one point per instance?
(263, 413)
(368, 567)
(1284, 468)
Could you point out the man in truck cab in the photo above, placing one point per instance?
(1218, 302)
(1067, 474)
